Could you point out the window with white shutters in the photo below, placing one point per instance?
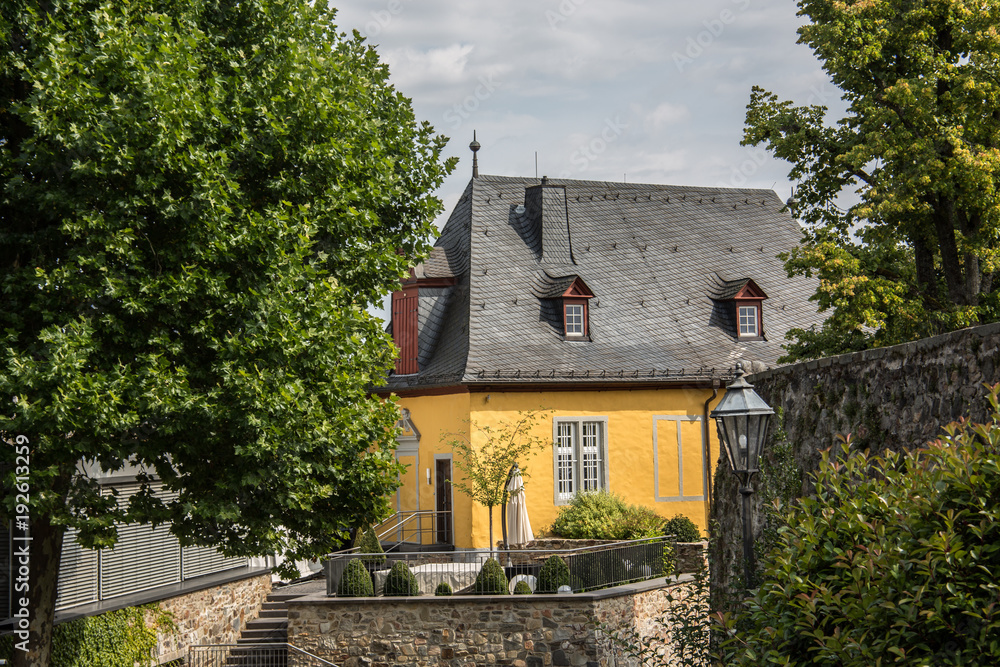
(580, 456)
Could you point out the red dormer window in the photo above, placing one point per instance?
(576, 315)
(749, 302)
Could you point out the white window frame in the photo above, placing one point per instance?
(579, 313)
(756, 321)
(569, 438)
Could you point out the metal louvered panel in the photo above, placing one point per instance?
(198, 561)
(77, 573)
(143, 558)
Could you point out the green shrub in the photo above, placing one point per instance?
(491, 580)
(121, 638)
(593, 516)
(367, 543)
(601, 515)
(554, 573)
(400, 582)
(444, 588)
(682, 529)
(356, 582)
(893, 558)
(522, 588)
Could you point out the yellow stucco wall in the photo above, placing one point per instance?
(642, 424)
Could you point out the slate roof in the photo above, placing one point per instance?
(658, 259)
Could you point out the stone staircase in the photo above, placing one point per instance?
(271, 626)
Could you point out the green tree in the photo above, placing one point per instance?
(920, 147)
(487, 455)
(199, 200)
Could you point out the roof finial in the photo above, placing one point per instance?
(474, 147)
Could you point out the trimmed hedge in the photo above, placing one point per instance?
(444, 588)
(491, 579)
(400, 582)
(554, 573)
(356, 582)
(522, 588)
(682, 529)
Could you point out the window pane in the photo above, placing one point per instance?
(748, 320)
(591, 455)
(565, 459)
(574, 320)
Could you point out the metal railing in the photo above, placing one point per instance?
(253, 655)
(414, 526)
(590, 568)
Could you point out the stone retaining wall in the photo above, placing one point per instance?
(891, 398)
(214, 615)
(521, 631)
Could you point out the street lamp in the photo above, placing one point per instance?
(742, 417)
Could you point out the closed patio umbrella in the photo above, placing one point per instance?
(517, 511)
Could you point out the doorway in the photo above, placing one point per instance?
(442, 494)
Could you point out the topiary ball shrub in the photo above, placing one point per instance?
(682, 529)
(355, 582)
(522, 588)
(444, 588)
(554, 573)
(491, 580)
(367, 543)
(400, 582)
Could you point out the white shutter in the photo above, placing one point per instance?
(198, 561)
(143, 558)
(77, 573)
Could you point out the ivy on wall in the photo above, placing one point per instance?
(121, 638)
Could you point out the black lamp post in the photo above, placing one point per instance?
(742, 417)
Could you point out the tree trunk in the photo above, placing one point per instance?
(945, 218)
(491, 531)
(42, 551)
(923, 256)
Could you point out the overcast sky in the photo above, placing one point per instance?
(649, 92)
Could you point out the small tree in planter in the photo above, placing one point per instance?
(487, 465)
(401, 582)
(491, 580)
(355, 582)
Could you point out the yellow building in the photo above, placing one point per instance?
(620, 308)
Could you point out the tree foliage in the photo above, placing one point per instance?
(920, 147)
(892, 560)
(487, 454)
(198, 200)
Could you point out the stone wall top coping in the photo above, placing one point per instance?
(902, 349)
(161, 593)
(590, 596)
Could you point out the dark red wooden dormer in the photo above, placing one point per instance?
(406, 320)
(748, 311)
(576, 311)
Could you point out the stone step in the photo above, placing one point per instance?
(267, 623)
(274, 613)
(264, 635)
